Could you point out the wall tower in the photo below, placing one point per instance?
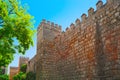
(47, 31)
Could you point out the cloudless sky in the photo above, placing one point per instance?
(62, 12)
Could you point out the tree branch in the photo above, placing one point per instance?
(11, 7)
(11, 11)
(1, 35)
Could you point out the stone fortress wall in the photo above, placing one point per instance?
(87, 50)
(23, 60)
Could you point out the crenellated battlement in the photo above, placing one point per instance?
(50, 25)
(83, 17)
(87, 50)
(100, 15)
(24, 58)
(90, 12)
(77, 22)
(93, 15)
(99, 4)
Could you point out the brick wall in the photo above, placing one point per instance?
(23, 60)
(13, 72)
(31, 65)
(88, 50)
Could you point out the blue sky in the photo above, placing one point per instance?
(62, 12)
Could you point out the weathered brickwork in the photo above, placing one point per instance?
(23, 60)
(31, 65)
(88, 50)
(13, 72)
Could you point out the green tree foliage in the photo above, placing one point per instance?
(16, 30)
(4, 77)
(30, 76)
(25, 76)
(23, 68)
(20, 76)
(1, 71)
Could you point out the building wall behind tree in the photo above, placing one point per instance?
(13, 72)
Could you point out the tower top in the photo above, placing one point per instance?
(50, 25)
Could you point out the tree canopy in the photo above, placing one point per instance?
(16, 30)
(4, 77)
(23, 75)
